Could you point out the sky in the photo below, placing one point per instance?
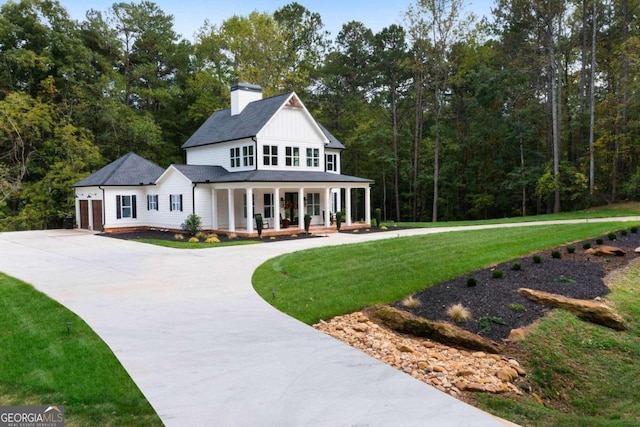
(189, 15)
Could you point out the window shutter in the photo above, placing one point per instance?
(148, 202)
(181, 203)
(170, 204)
(133, 207)
(118, 210)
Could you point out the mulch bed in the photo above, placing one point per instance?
(167, 235)
(578, 275)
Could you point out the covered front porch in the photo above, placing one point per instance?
(281, 207)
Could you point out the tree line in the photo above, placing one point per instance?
(534, 109)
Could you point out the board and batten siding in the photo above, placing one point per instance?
(219, 154)
(172, 182)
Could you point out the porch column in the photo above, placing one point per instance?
(302, 208)
(90, 207)
(249, 193)
(367, 205)
(327, 207)
(347, 202)
(214, 209)
(78, 211)
(232, 214)
(276, 209)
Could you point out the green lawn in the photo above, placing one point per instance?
(325, 282)
(42, 364)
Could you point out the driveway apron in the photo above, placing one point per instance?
(206, 350)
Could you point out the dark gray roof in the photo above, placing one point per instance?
(221, 126)
(288, 176)
(333, 141)
(200, 173)
(129, 169)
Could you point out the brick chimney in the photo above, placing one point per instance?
(242, 94)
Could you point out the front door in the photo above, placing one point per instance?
(291, 207)
(84, 214)
(96, 220)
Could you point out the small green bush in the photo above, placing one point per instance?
(556, 254)
(571, 249)
(471, 282)
(378, 215)
(497, 274)
(563, 279)
(623, 232)
(599, 241)
(517, 307)
(485, 322)
(192, 224)
(586, 245)
(339, 219)
(517, 265)
(634, 229)
(384, 228)
(612, 236)
(537, 259)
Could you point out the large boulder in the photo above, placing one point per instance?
(592, 311)
(445, 333)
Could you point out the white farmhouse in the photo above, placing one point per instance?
(261, 156)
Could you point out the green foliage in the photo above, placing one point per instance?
(563, 279)
(517, 307)
(571, 249)
(471, 282)
(497, 274)
(624, 232)
(517, 265)
(586, 245)
(339, 218)
(307, 223)
(486, 322)
(192, 224)
(259, 224)
(599, 241)
(556, 254)
(537, 259)
(634, 229)
(612, 236)
(378, 215)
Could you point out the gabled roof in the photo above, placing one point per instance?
(130, 169)
(221, 126)
(200, 173)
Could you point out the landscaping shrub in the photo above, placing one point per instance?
(485, 322)
(384, 228)
(497, 274)
(537, 259)
(634, 229)
(260, 224)
(194, 240)
(378, 215)
(307, 223)
(212, 239)
(517, 265)
(571, 249)
(612, 236)
(471, 282)
(178, 236)
(411, 302)
(517, 307)
(458, 313)
(339, 219)
(586, 245)
(556, 254)
(623, 232)
(192, 224)
(599, 241)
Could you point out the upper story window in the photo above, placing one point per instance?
(247, 155)
(270, 155)
(175, 202)
(125, 207)
(332, 163)
(235, 157)
(313, 157)
(292, 156)
(152, 202)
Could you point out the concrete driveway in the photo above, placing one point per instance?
(206, 350)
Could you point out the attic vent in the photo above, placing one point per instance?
(294, 102)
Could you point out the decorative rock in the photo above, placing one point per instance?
(507, 374)
(592, 311)
(404, 348)
(605, 250)
(517, 335)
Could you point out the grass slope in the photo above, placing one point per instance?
(324, 282)
(42, 364)
(586, 375)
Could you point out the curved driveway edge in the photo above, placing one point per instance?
(206, 350)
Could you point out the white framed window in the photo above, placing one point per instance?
(234, 154)
(332, 164)
(175, 202)
(292, 156)
(125, 206)
(268, 205)
(313, 157)
(152, 202)
(270, 155)
(313, 204)
(247, 155)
